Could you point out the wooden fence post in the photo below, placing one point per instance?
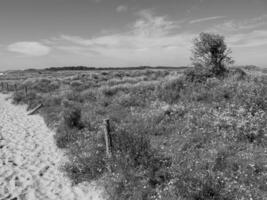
(2, 84)
(107, 138)
(36, 109)
(15, 86)
(26, 90)
(7, 87)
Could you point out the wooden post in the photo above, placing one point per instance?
(35, 109)
(2, 84)
(7, 87)
(15, 86)
(107, 138)
(108, 142)
(26, 90)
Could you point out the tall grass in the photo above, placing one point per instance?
(193, 137)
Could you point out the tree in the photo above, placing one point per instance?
(210, 51)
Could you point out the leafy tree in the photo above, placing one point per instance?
(210, 50)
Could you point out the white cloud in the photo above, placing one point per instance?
(244, 33)
(252, 39)
(206, 19)
(79, 50)
(29, 48)
(148, 32)
(121, 8)
(150, 25)
(237, 25)
(151, 39)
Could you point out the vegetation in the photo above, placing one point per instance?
(195, 135)
(84, 68)
(211, 51)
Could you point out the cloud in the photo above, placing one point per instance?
(206, 19)
(252, 39)
(150, 36)
(29, 48)
(148, 31)
(79, 50)
(121, 8)
(150, 25)
(234, 25)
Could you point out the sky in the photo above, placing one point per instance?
(124, 33)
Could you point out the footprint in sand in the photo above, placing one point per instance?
(30, 160)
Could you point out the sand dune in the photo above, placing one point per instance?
(30, 161)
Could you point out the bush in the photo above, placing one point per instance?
(138, 168)
(111, 91)
(237, 74)
(214, 160)
(76, 83)
(196, 136)
(89, 95)
(18, 97)
(198, 74)
(252, 96)
(42, 85)
(87, 158)
(74, 96)
(79, 85)
(53, 100)
(65, 136)
(211, 51)
(32, 99)
(130, 100)
(71, 115)
(70, 124)
(169, 91)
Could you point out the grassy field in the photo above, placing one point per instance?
(175, 134)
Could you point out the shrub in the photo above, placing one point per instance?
(76, 83)
(71, 115)
(65, 136)
(70, 124)
(130, 100)
(213, 162)
(80, 86)
(18, 97)
(89, 95)
(211, 51)
(111, 91)
(87, 158)
(74, 96)
(42, 85)
(198, 74)
(54, 100)
(33, 99)
(138, 168)
(208, 144)
(237, 74)
(170, 90)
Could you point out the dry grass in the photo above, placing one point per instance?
(194, 136)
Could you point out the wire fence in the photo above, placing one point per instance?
(15, 87)
(7, 87)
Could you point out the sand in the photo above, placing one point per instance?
(30, 161)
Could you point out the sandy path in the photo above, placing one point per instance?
(30, 161)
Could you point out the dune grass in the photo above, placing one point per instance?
(190, 137)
